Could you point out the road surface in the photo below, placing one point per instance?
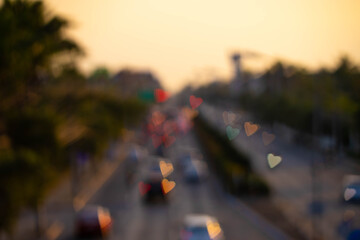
(134, 221)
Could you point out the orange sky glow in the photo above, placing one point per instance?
(190, 41)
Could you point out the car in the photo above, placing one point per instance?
(195, 171)
(351, 189)
(352, 193)
(136, 154)
(93, 221)
(152, 190)
(354, 235)
(157, 182)
(185, 159)
(150, 187)
(186, 156)
(201, 227)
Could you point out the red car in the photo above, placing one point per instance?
(93, 221)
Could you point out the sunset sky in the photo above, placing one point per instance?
(191, 40)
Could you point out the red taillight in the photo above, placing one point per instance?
(105, 223)
(185, 235)
(144, 188)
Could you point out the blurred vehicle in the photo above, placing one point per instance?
(159, 151)
(354, 235)
(93, 221)
(186, 155)
(132, 161)
(195, 171)
(201, 227)
(351, 189)
(352, 193)
(183, 160)
(151, 187)
(327, 144)
(136, 154)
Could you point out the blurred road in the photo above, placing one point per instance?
(134, 220)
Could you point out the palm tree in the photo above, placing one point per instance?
(31, 38)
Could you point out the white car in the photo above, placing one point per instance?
(351, 188)
(201, 227)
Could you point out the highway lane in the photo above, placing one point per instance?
(134, 220)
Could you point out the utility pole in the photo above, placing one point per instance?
(313, 176)
(316, 206)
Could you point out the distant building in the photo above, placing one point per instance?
(130, 83)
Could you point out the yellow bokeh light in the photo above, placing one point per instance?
(213, 228)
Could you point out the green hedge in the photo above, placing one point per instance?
(231, 165)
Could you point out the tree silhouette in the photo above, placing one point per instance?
(30, 38)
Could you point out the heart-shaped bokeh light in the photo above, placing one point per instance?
(232, 132)
(267, 138)
(349, 193)
(167, 185)
(250, 128)
(161, 95)
(273, 160)
(166, 168)
(229, 117)
(195, 102)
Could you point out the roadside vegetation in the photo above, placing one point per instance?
(232, 166)
(49, 110)
(324, 103)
